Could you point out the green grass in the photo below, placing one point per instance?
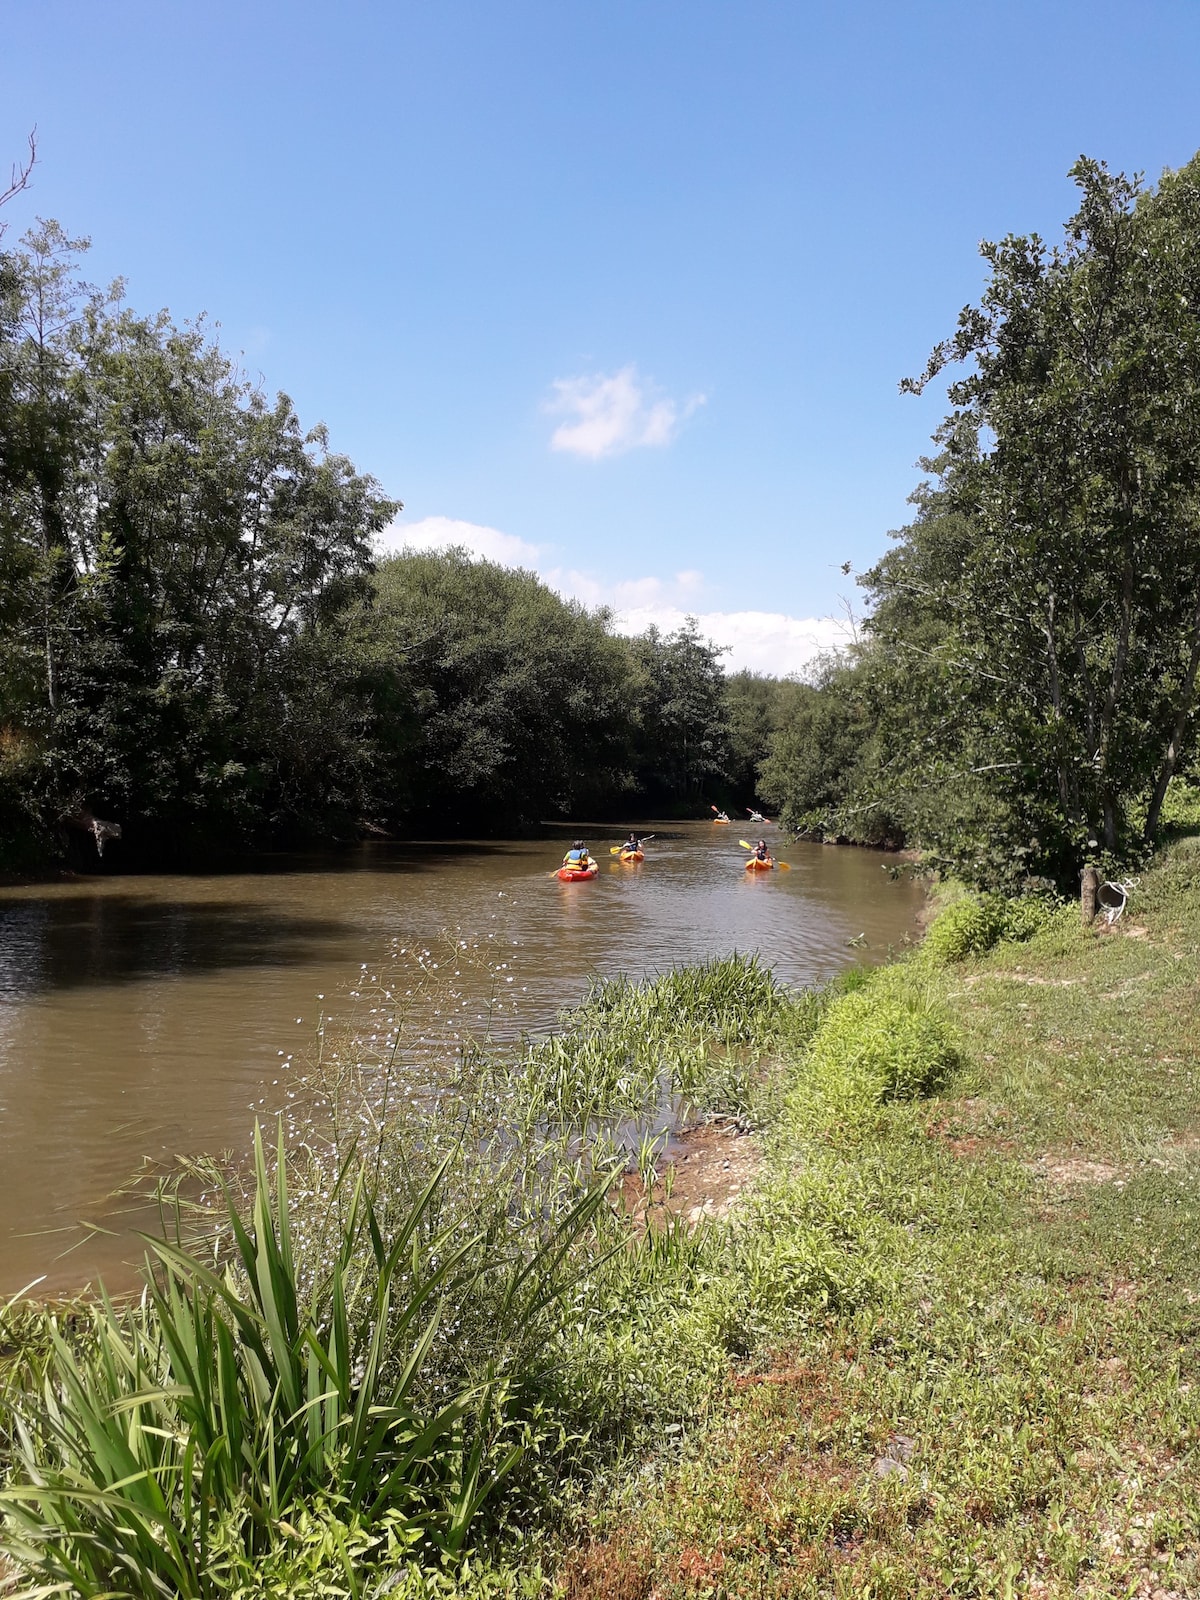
(417, 1330)
(1011, 1406)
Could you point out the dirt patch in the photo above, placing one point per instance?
(1068, 1172)
(701, 1173)
(1182, 1144)
(1020, 977)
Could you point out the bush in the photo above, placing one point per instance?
(973, 925)
(886, 1041)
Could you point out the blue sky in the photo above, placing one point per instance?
(622, 290)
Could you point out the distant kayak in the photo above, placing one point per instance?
(577, 874)
(633, 855)
(755, 865)
(719, 822)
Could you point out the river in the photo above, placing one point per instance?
(143, 1016)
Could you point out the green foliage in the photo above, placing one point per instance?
(519, 698)
(758, 706)
(1181, 809)
(195, 645)
(690, 1032)
(1012, 1406)
(818, 760)
(1025, 688)
(885, 1041)
(424, 1334)
(681, 711)
(171, 1449)
(179, 560)
(967, 928)
(975, 922)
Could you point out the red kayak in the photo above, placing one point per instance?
(577, 874)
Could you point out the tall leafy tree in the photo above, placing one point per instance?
(518, 700)
(179, 559)
(683, 714)
(1074, 451)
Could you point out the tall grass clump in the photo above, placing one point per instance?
(975, 923)
(888, 1040)
(630, 1049)
(234, 1417)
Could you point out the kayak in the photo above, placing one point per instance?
(633, 855)
(755, 865)
(720, 822)
(577, 874)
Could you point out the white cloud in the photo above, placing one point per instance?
(762, 641)
(605, 416)
(683, 590)
(440, 533)
(759, 641)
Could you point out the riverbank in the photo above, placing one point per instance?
(1015, 1409)
(933, 1330)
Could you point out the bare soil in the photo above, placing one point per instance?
(702, 1172)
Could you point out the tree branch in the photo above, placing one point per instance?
(21, 172)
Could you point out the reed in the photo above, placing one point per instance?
(174, 1446)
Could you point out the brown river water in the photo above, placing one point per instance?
(144, 1016)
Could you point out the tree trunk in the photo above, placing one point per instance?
(1089, 892)
(1187, 699)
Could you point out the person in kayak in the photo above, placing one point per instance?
(761, 853)
(577, 857)
(631, 845)
(757, 816)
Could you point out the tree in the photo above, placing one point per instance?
(757, 705)
(1056, 554)
(179, 563)
(683, 720)
(518, 698)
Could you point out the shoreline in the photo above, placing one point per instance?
(914, 1320)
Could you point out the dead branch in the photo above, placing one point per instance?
(21, 172)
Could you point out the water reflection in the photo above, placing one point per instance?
(109, 938)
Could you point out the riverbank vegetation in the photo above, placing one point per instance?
(199, 650)
(427, 1322)
(1025, 686)
(1014, 1408)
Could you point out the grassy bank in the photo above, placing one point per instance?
(1014, 1410)
(945, 1346)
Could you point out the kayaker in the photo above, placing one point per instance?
(761, 853)
(632, 844)
(757, 816)
(577, 857)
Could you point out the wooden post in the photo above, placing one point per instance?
(1089, 891)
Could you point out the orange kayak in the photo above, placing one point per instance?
(633, 855)
(577, 874)
(755, 865)
(719, 822)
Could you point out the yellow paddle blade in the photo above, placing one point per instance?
(744, 845)
(784, 866)
(615, 849)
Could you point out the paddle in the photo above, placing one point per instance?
(784, 866)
